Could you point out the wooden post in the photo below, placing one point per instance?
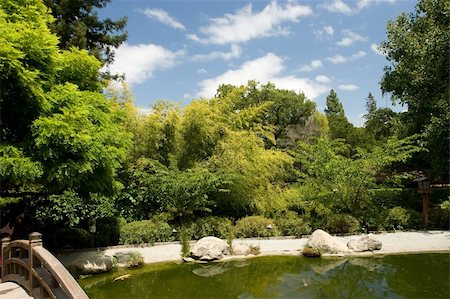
(35, 239)
(5, 243)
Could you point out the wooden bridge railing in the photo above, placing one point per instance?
(38, 271)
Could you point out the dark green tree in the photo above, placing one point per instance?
(334, 106)
(78, 25)
(418, 48)
(371, 105)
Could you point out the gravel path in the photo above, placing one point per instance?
(393, 243)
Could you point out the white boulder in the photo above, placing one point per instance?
(366, 243)
(325, 243)
(85, 263)
(209, 248)
(241, 249)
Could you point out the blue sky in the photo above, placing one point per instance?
(181, 50)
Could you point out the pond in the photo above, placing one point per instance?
(400, 276)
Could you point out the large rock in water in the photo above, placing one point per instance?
(85, 263)
(366, 243)
(209, 248)
(325, 243)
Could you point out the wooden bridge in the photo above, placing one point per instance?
(38, 272)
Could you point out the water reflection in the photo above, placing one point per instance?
(408, 276)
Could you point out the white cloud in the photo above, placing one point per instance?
(338, 58)
(139, 62)
(340, 6)
(322, 79)
(202, 71)
(163, 17)
(264, 69)
(376, 50)
(245, 24)
(360, 4)
(187, 96)
(350, 37)
(313, 65)
(324, 32)
(348, 87)
(235, 52)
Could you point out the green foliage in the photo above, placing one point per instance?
(334, 106)
(70, 208)
(78, 67)
(17, 169)
(80, 141)
(343, 183)
(28, 55)
(417, 47)
(439, 216)
(252, 173)
(342, 224)
(397, 218)
(290, 223)
(255, 226)
(77, 24)
(145, 231)
(134, 259)
(210, 226)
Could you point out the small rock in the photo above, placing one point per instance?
(366, 243)
(188, 260)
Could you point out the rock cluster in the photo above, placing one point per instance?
(323, 242)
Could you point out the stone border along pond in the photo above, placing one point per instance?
(85, 262)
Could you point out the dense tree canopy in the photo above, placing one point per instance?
(59, 133)
(417, 46)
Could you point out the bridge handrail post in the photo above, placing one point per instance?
(5, 243)
(35, 239)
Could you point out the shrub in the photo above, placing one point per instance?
(145, 231)
(134, 259)
(311, 252)
(342, 223)
(397, 218)
(211, 226)
(290, 224)
(439, 216)
(255, 226)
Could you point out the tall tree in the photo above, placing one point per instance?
(371, 105)
(417, 46)
(334, 106)
(77, 24)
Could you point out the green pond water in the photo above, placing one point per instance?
(401, 276)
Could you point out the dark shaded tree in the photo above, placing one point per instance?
(78, 25)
